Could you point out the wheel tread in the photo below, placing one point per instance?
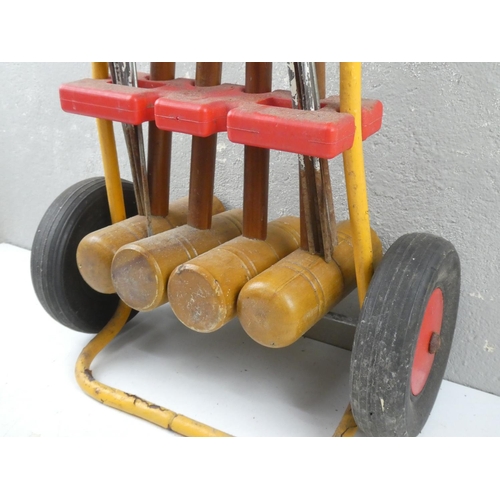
(404, 273)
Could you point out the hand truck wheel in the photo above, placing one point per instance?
(79, 210)
(404, 336)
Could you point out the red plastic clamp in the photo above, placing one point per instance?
(263, 120)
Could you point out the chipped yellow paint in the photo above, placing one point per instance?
(130, 403)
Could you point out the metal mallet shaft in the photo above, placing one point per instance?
(317, 201)
(125, 73)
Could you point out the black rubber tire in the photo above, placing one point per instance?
(61, 290)
(388, 328)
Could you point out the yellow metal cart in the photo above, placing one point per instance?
(408, 307)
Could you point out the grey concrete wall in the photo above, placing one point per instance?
(434, 167)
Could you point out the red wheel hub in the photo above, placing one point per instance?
(425, 351)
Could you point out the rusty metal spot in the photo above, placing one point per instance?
(435, 343)
(88, 374)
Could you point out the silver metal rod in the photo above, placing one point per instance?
(125, 73)
(314, 173)
(307, 193)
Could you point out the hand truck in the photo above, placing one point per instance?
(107, 248)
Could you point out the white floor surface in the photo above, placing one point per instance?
(223, 379)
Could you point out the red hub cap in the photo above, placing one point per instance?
(428, 342)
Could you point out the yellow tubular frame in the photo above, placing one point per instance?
(350, 102)
(354, 169)
(109, 156)
(357, 199)
(123, 401)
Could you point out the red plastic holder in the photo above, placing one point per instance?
(324, 133)
(263, 120)
(103, 99)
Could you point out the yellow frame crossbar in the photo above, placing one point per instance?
(130, 403)
(350, 102)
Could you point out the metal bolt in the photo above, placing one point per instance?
(435, 343)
